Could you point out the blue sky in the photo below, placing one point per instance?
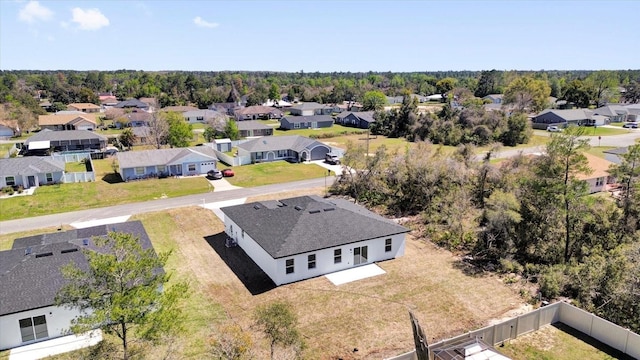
(320, 36)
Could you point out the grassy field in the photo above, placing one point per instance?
(75, 167)
(551, 342)
(273, 173)
(333, 131)
(592, 131)
(4, 150)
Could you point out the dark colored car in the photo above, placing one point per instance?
(227, 173)
(214, 174)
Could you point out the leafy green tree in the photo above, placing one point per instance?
(209, 134)
(632, 92)
(444, 86)
(274, 92)
(123, 291)
(527, 93)
(127, 138)
(577, 93)
(374, 101)
(628, 174)
(502, 214)
(603, 85)
(518, 130)
(489, 83)
(232, 343)
(279, 323)
(180, 132)
(231, 130)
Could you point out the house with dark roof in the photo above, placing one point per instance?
(257, 112)
(67, 120)
(143, 164)
(6, 132)
(493, 98)
(311, 108)
(31, 171)
(179, 108)
(567, 117)
(361, 119)
(30, 278)
(70, 140)
(253, 128)
(132, 103)
(306, 122)
(616, 113)
(291, 148)
(303, 237)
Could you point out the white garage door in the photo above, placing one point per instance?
(206, 166)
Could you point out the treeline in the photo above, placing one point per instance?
(529, 216)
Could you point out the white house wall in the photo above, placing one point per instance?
(255, 251)
(58, 323)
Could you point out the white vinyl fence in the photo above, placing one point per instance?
(598, 328)
(74, 177)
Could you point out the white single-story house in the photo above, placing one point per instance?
(310, 109)
(166, 162)
(31, 171)
(303, 237)
(292, 148)
(203, 116)
(30, 278)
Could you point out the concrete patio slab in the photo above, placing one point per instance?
(354, 274)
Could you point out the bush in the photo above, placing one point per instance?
(551, 282)
(510, 266)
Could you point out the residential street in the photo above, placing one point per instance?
(11, 226)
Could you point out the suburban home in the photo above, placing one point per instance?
(291, 148)
(134, 119)
(228, 108)
(253, 128)
(616, 113)
(493, 98)
(143, 164)
(420, 98)
(349, 106)
(179, 108)
(257, 112)
(72, 120)
(131, 104)
(31, 171)
(203, 116)
(303, 237)
(84, 107)
(142, 134)
(277, 103)
(30, 276)
(599, 179)
(306, 122)
(311, 108)
(394, 99)
(59, 141)
(434, 97)
(567, 117)
(362, 119)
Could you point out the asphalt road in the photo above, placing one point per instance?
(11, 226)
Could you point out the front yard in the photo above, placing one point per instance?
(273, 173)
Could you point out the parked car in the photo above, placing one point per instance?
(214, 174)
(227, 173)
(553, 129)
(630, 125)
(332, 159)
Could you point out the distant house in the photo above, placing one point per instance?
(31, 171)
(30, 276)
(226, 108)
(493, 98)
(311, 108)
(277, 103)
(253, 128)
(420, 98)
(599, 179)
(72, 120)
(202, 116)
(84, 107)
(70, 140)
(394, 100)
(257, 112)
(306, 122)
(349, 106)
(299, 238)
(134, 119)
(179, 108)
(6, 132)
(434, 97)
(567, 117)
(166, 162)
(616, 113)
(362, 119)
(132, 103)
(291, 148)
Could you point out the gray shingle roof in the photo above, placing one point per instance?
(30, 165)
(132, 103)
(312, 118)
(32, 281)
(48, 135)
(251, 125)
(308, 223)
(204, 113)
(308, 106)
(569, 115)
(271, 143)
(129, 159)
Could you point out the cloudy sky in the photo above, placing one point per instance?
(319, 35)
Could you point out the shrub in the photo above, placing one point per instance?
(510, 266)
(551, 282)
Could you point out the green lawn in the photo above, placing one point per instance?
(333, 131)
(4, 150)
(273, 173)
(75, 167)
(599, 150)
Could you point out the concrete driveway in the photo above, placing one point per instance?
(221, 185)
(335, 169)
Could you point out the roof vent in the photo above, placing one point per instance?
(314, 211)
(27, 251)
(329, 209)
(65, 251)
(297, 207)
(44, 254)
(85, 242)
(256, 206)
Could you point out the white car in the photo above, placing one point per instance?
(553, 129)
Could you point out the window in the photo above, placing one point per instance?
(49, 177)
(258, 155)
(139, 171)
(311, 261)
(337, 256)
(10, 180)
(296, 125)
(191, 167)
(282, 153)
(360, 255)
(599, 181)
(387, 245)
(199, 118)
(289, 266)
(33, 328)
(161, 168)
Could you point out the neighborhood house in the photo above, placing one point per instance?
(30, 171)
(60, 141)
(306, 122)
(30, 276)
(143, 164)
(303, 237)
(292, 148)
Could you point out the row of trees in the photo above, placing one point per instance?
(532, 216)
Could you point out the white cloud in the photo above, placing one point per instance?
(33, 12)
(203, 23)
(90, 19)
